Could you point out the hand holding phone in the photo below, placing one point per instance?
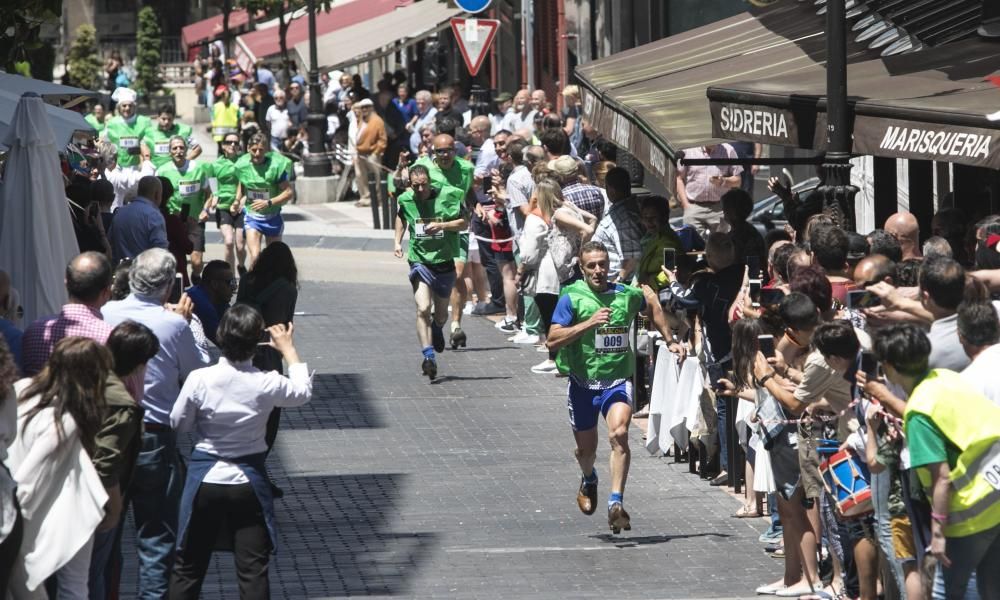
(766, 345)
(755, 290)
(670, 259)
(862, 299)
(869, 365)
(177, 290)
(771, 296)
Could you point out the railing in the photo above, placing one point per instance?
(177, 72)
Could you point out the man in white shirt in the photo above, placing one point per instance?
(278, 120)
(124, 181)
(425, 114)
(979, 334)
(522, 115)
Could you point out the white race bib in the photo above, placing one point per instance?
(188, 188)
(420, 230)
(611, 340)
(128, 142)
(991, 471)
(162, 147)
(255, 195)
(223, 130)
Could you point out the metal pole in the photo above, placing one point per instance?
(837, 189)
(317, 163)
(529, 40)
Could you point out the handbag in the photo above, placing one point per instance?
(771, 417)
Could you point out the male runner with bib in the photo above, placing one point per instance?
(432, 213)
(590, 330)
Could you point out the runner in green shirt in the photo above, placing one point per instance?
(97, 118)
(127, 130)
(432, 214)
(157, 139)
(263, 189)
(191, 198)
(229, 212)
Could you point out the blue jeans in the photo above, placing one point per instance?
(772, 507)
(883, 530)
(720, 408)
(973, 572)
(155, 494)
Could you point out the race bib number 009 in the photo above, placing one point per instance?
(255, 195)
(611, 340)
(188, 188)
(128, 142)
(162, 148)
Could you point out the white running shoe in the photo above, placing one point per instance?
(546, 367)
(468, 308)
(525, 338)
(542, 348)
(507, 325)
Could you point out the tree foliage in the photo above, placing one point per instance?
(83, 61)
(147, 59)
(21, 22)
(285, 11)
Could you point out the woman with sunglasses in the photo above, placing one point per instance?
(228, 212)
(264, 188)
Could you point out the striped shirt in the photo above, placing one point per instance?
(41, 337)
(585, 197)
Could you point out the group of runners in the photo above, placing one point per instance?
(590, 326)
(244, 191)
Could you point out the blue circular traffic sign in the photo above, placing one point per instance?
(473, 6)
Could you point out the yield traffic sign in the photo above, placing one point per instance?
(474, 37)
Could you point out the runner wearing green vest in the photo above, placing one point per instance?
(229, 212)
(432, 214)
(445, 167)
(191, 198)
(97, 118)
(157, 139)
(263, 189)
(953, 434)
(590, 331)
(127, 130)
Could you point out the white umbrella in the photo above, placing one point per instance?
(37, 239)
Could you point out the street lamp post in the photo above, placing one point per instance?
(316, 163)
(837, 190)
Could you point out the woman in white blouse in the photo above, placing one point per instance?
(62, 499)
(11, 523)
(553, 232)
(227, 501)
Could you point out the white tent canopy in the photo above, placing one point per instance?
(63, 123)
(36, 234)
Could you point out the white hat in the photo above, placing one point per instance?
(364, 103)
(124, 94)
(564, 166)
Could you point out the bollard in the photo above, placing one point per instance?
(373, 192)
(387, 221)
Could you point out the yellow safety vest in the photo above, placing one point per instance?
(225, 120)
(972, 423)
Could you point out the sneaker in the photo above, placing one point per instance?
(362, 203)
(507, 325)
(542, 348)
(525, 338)
(430, 369)
(437, 338)
(469, 307)
(770, 536)
(618, 519)
(488, 308)
(586, 497)
(545, 367)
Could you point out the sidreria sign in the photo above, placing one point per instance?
(753, 124)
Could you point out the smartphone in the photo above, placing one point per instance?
(755, 290)
(862, 299)
(771, 296)
(177, 290)
(185, 211)
(670, 259)
(766, 344)
(753, 267)
(265, 338)
(869, 365)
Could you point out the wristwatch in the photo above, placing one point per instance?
(270, 203)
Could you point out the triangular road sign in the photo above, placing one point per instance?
(474, 37)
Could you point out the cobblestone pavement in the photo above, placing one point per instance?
(465, 488)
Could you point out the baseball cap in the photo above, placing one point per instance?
(503, 97)
(564, 166)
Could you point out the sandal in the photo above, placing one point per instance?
(747, 512)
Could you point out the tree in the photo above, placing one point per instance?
(83, 61)
(285, 11)
(21, 22)
(147, 58)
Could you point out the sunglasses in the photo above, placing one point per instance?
(444, 151)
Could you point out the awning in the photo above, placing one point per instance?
(209, 29)
(264, 42)
(929, 105)
(379, 36)
(51, 93)
(651, 100)
(65, 123)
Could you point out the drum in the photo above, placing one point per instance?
(847, 479)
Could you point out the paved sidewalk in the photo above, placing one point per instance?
(465, 488)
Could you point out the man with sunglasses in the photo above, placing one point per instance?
(432, 214)
(191, 198)
(228, 212)
(211, 297)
